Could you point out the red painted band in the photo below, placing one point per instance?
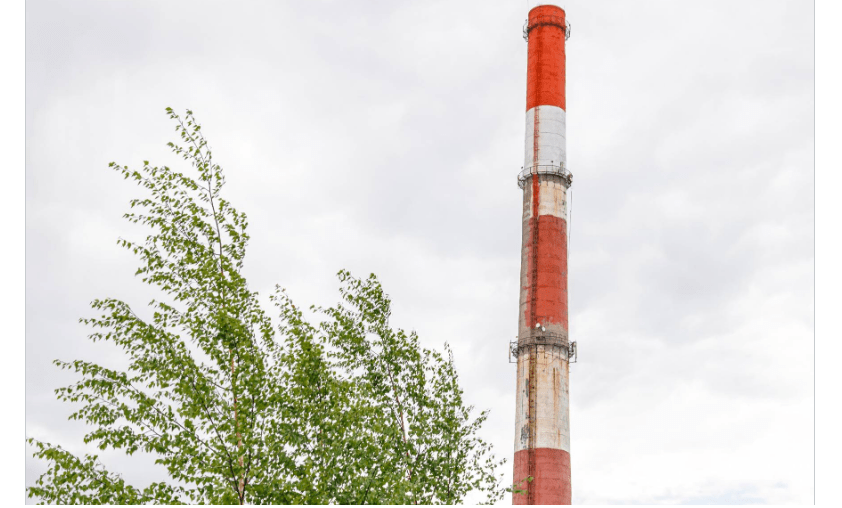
(549, 261)
(551, 483)
(532, 249)
(545, 75)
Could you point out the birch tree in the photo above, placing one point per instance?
(340, 408)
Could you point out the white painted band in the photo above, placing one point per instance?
(552, 401)
(550, 146)
(552, 198)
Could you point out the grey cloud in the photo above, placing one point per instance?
(385, 137)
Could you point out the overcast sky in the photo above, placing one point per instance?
(385, 137)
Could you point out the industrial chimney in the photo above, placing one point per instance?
(543, 348)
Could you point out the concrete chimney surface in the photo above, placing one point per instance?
(542, 421)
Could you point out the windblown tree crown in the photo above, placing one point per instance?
(347, 410)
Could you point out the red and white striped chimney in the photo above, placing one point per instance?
(543, 349)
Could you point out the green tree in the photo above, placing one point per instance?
(237, 410)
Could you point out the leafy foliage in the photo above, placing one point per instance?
(348, 410)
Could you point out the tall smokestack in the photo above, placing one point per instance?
(543, 349)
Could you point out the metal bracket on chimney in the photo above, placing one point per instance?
(513, 351)
(546, 20)
(546, 340)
